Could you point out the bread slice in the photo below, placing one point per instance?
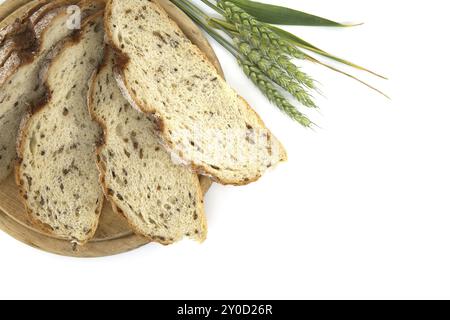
(160, 200)
(17, 21)
(14, 29)
(20, 34)
(20, 38)
(5, 51)
(56, 173)
(19, 79)
(202, 121)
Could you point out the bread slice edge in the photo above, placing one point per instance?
(120, 66)
(102, 166)
(23, 137)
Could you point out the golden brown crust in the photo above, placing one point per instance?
(24, 57)
(31, 43)
(23, 137)
(16, 21)
(21, 22)
(22, 40)
(148, 109)
(45, 228)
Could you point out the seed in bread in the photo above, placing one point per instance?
(203, 123)
(160, 200)
(57, 174)
(20, 85)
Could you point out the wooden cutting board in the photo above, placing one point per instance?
(113, 235)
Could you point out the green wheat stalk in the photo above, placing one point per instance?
(268, 89)
(276, 73)
(257, 33)
(264, 52)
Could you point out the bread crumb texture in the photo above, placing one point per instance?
(203, 122)
(22, 55)
(161, 201)
(57, 174)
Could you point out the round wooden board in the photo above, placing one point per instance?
(113, 235)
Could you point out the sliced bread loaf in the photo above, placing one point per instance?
(160, 200)
(20, 85)
(56, 172)
(34, 18)
(202, 121)
(24, 37)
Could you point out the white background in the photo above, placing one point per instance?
(361, 210)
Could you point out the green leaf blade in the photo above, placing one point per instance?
(279, 15)
(308, 46)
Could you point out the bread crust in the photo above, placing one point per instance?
(124, 60)
(32, 37)
(23, 137)
(22, 57)
(15, 21)
(6, 50)
(102, 166)
(17, 30)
